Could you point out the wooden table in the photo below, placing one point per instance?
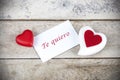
(21, 63)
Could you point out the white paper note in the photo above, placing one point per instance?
(55, 41)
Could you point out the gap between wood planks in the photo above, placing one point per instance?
(59, 19)
(57, 58)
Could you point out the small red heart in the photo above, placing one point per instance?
(25, 39)
(91, 39)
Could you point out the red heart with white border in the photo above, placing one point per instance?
(90, 41)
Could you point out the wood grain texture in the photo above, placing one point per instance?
(60, 69)
(10, 29)
(60, 9)
(20, 63)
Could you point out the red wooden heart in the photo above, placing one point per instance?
(91, 39)
(25, 39)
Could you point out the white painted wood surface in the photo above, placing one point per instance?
(60, 9)
(10, 29)
(60, 69)
(21, 63)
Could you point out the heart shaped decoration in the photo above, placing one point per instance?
(90, 41)
(25, 39)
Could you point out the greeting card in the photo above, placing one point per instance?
(55, 41)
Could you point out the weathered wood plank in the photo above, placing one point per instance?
(60, 9)
(10, 29)
(60, 69)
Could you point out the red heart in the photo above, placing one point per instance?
(91, 39)
(25, 39)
